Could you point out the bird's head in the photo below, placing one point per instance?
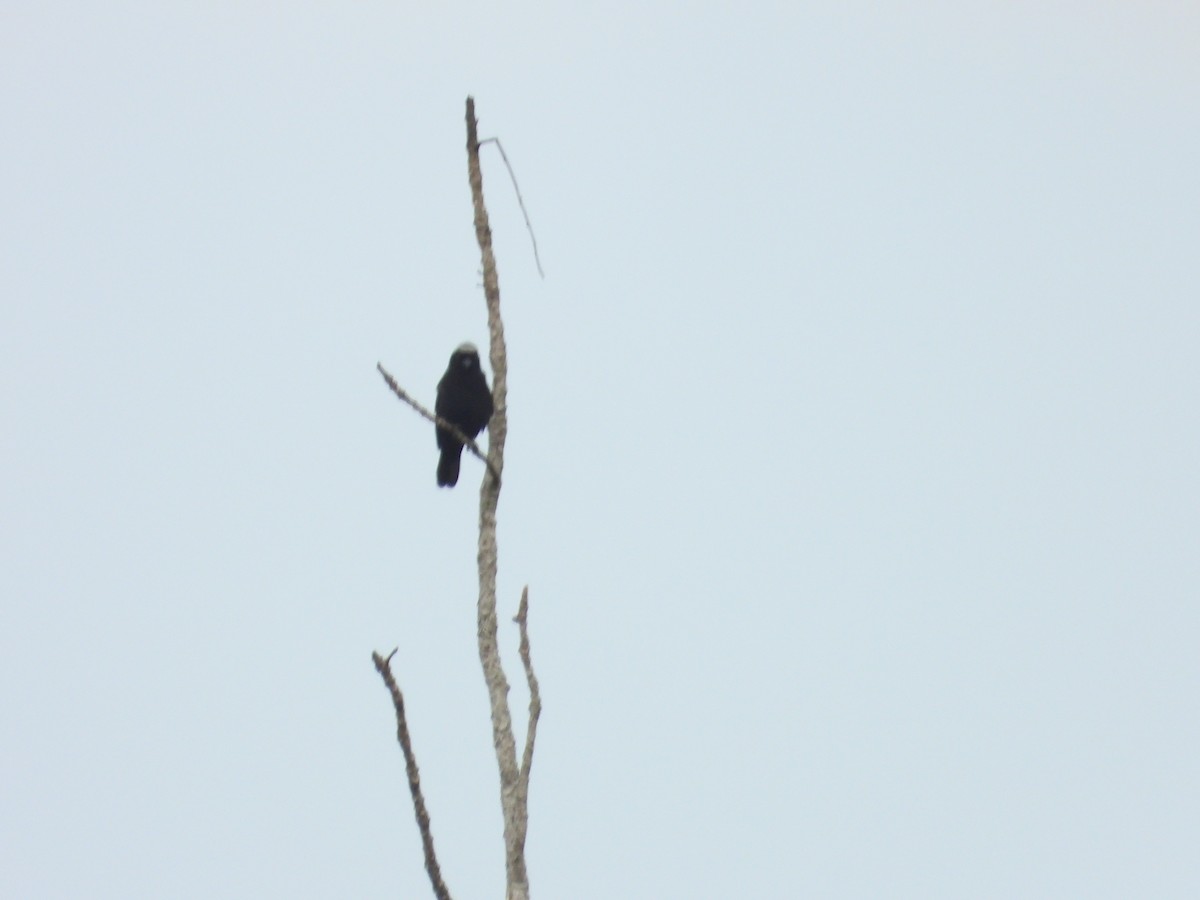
(466, 356)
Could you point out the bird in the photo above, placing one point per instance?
(463, 399)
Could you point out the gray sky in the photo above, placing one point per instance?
(852, 461)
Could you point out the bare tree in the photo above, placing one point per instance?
(514, 776)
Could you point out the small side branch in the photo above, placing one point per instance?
(535, 698)
(384, 668)
(520, 200)
(436, 419)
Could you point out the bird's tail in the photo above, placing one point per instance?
(448, 464)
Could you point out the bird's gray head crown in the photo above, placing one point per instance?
(465, 356)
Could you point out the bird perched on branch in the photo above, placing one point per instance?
(463, 399)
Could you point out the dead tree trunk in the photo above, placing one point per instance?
(514, 776)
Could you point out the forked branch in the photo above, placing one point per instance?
(514, 778)
(516, 813)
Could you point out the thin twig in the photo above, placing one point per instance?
(535, 697)
(511, 174)
(384, 668)
(436, 419)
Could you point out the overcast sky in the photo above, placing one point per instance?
(852, 460)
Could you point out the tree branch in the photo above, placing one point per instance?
(384, 668)
(436, 419)
(520, 200)
(515, 815)
(535, 703)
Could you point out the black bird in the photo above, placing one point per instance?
(463, 399)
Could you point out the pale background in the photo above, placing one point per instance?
(852, 464)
